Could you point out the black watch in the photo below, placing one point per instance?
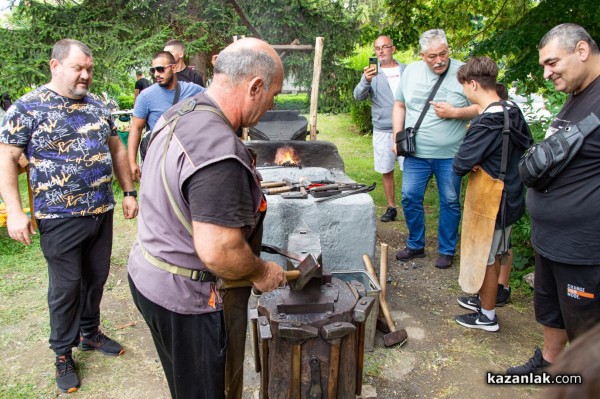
(130, 193)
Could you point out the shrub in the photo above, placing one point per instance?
(125, 101)
(299, 102)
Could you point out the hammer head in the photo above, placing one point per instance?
(309, 268)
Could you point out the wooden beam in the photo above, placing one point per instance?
(314, 95)
(292, 47)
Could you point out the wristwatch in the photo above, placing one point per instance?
(130, 193)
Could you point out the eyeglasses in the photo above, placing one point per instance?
(159, 69)
(384, 47)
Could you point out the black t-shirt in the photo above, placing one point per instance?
(142, 84)
(565, 217)
(482, 146)
(189, 75)
(220, 194)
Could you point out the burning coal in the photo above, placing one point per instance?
(286, 156)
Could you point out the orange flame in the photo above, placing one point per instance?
(286, 155)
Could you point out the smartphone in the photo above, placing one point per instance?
(373, 62)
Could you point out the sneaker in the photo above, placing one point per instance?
(478, 320)
(536, 365)
(390, 214)
(100, 342)
(444, 261)
(473, 302)
(408, 254)
(469, 302)
(66, 377)
(503, 296)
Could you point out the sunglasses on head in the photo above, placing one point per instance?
(159, 69)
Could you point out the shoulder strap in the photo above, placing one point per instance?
(177, 94)
(431, 96)
(188, 106)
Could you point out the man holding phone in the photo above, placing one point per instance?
(379, 81)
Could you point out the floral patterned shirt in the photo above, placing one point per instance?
(66, 143)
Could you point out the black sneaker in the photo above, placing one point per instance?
(503, 296)
(473, 302)
(66, 377)
(536, 365)
(444, 261)
(408, 254)
(102, 343)
(469, 302)
(478, 320)
(390, 214)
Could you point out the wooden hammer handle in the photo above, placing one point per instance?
(292, 275)
(278, 190)
(382, 302)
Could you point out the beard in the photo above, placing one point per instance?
(80, 92)
(166, 82)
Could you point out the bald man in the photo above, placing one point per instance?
(204, 221)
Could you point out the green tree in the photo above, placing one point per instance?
(121, 35)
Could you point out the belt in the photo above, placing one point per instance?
(195, 275)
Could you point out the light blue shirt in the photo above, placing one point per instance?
(437, 137)
(151, 103)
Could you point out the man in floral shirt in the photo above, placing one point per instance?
(71, 143)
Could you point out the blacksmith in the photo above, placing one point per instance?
(201, 219)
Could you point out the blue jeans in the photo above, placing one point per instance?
(416, 175)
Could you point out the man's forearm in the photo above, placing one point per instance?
(133, 142)
(467, 113)
(120, 163)
(225, 252)
(9, 178)
(398, 114)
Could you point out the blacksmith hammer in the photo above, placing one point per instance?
(271, 184)
(308, 268)
(395, 336)
(333, 333)
(361, 311)
(297, 333)
(284, 188)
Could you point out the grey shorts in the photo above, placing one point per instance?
(499, 246)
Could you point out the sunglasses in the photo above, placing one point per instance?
(159, 69)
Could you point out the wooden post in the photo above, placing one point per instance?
(314, 95)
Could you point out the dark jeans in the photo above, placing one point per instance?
(191, 348)
(78, 252)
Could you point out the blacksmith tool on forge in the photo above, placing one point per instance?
(395, 337)
(302, 194)
(361, 312)
(297, 333)
(308, 268)
(316, 392)
(347, 193)
(333, 333)
(271, 184)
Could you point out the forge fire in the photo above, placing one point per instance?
(286, 156)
